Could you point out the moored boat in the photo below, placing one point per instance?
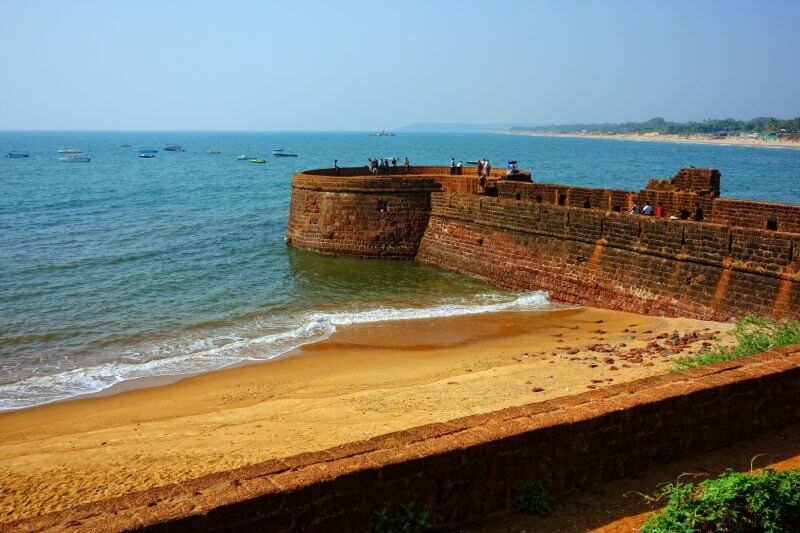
(146, 150)
(69, 150)
(243, 157)
(173, 148)
(75, 158)
(16, 155)
(259, 161)
(147, 155)
(213, 152)
(280, 152)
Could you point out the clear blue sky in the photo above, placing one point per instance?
(305, 65)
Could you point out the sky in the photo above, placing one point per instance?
(352, 65)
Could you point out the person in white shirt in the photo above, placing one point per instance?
(648, 209)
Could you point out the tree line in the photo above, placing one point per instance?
(659, 125)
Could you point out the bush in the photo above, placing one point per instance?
(533, 498)
(768, 501)
(409, 518)
(753, 335)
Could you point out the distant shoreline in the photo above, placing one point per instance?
(647, 137)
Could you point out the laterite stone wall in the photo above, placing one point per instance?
(465, 469)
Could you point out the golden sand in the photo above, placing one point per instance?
(361, 382)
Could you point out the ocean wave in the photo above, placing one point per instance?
(192, 356)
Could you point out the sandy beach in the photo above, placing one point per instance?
(648, 137)
(363, 381)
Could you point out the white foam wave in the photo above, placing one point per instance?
(202, 355)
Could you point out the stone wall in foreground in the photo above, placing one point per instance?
(465, 469)
(616, 260)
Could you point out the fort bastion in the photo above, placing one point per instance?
(579, 244)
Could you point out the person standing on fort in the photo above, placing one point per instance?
(648, 209)
(698, 213)
(336, 166)
(452, 166)
(480, 168)
(487, 168)
(661, 211)
(459, 167)
(635, 209)
(405, 164)
(394, 161)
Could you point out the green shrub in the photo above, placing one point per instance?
(753, 335)
(768, 501)
(409, 518)
(533, 498)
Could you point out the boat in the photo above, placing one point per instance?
(383, 133)
(16, 155)
(472, 162)
(243, 157)
(124, 145)
(173, 148)
(147, 155)
(146, 151)
(69, 150)
(212, 152)
(280, 152)
(75, 158)
(257, 161)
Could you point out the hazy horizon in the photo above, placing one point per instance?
(355, 66)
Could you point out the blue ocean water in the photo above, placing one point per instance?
(127, 267)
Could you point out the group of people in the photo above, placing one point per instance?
(456, 168)
(484, 168)
(382, 166)
(660, 211)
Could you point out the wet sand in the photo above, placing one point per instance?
(363, 381)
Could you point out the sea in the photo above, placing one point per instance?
(127, 268)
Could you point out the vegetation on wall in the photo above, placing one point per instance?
(753, 335)
(766, 501)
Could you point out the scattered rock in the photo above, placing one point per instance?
(537, 389)
(613, 368)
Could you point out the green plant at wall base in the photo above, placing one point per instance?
(768, 501)
(753, 335)
(533, 498)
(409, 518)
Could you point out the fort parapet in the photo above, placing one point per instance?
(579, 244)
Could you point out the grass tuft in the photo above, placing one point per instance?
(768, 501)
(753, 335)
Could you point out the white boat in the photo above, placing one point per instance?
(69, 150)
(147, 156)
(75, 158)
(383, 133)
(213, 152)
(244, 157)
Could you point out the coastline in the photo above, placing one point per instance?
(364, 380)
(685, 139)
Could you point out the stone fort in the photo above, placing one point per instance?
(579, 244)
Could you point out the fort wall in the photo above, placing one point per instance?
(578, 243)
(616, 260)
(467, 468)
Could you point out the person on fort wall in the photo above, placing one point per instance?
(487, 168)
(406, 164)
(647, 210)
(635, 209)
(480, 168)
(452, 166)
(336, 166)
(698, 213)
(460, 168)
(661, 211)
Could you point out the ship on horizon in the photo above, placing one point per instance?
(383, 133)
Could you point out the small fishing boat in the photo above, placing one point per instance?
(259, 161)
(173, 148)
(383, 133)
(124, 145)
(243, 157)
(75, 158)
(280, 152)
(213, 152)
(16, 155)
(147, 155)
(146, 151)
(69, 150)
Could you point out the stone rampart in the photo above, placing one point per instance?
(465, 469)
(616, 260)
